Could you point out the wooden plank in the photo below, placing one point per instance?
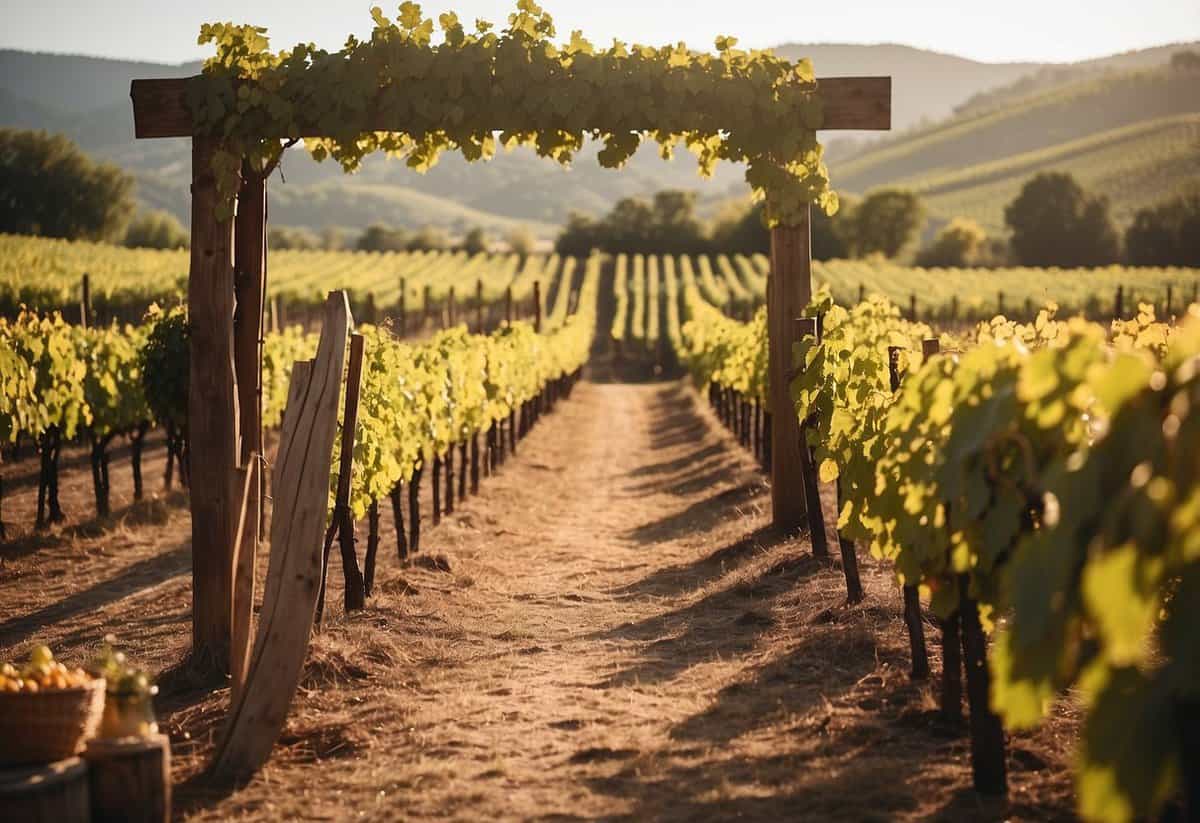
(250, 274)
(212, 416)
(860, 103)
(789, 290)
(130, 779)
(300, 491)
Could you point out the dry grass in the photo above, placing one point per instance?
(609, 631)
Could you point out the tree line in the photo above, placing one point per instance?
(1052, 222)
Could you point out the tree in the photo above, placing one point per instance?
(286, 237)
(379, 237)
(156, 230)
(741, 230)
(474, 242)
(49, 187)
(886, 221)
(1185, 61)
(1167, 234)
(579, 236)
(521, 241)
(1055, 223)
(428, 238)
(675, 229)
(961, 243)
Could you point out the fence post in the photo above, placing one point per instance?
(809, 327)
(537, 306)
(789, 290)
(451, 309)
(1000, 302)
(426, 309)
(479, 307)
(85, 302)
(912, 307)
(343, 517)
(403, 308)
(1119, 303)
(508, 318)
(862, 292)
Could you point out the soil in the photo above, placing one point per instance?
(610, 629)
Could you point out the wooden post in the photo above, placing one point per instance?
(537, 306)
(912, 598)
(1167, 306)
(355, 595)
(426, 308)
(789, 290)
(1118, 303)
(987, 736)
(451, 318)
(862, 293)
(402, 308)
(912, 307)
(250, 281)
(212, 416)
(508, 317)
(999, 302)
(85, 301)
(808, 326)
(479, 307)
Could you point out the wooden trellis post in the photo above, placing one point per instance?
(213, 420)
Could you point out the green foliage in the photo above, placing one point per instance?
(474, 242)
(51, 188)
(961, 243)
(113, 387)
(520, 242)
(1055, 223)
(282, 238)
(165, 365)
(1166, 235)
(1053, 465)
(737, 106)
(885, 222)
(667, 224)
(378, 237)
(156, 230)
(741, 230)
(42, 376)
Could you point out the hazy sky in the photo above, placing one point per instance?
(1041, 30)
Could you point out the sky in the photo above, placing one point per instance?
(992, 31)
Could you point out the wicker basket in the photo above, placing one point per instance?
(39, 727)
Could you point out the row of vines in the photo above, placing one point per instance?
(1036, 485)
(420, 400)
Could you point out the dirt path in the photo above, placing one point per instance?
(620, 636)
(608, 631)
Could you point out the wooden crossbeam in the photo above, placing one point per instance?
(860, 103)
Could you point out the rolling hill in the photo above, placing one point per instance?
(1131, 135)
(87, 98)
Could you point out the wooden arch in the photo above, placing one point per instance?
(226, 292)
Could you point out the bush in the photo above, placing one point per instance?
(521, 241)
(284, 237)
(157, 230)
(475, 242)
(1055, 223)
(665, 225)
(885, 222)
(379, 237)
(1166, 235)
(961, 243)
(579, 236)
(428, 238)
(49, 187)
(741, 230)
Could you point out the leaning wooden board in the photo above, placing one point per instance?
(300, 491)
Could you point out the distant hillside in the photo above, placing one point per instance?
(87, 98)
(1131, 135)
